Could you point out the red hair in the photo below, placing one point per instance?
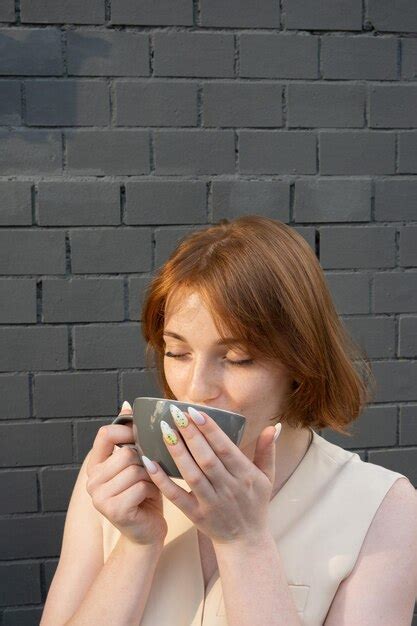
(263, 283)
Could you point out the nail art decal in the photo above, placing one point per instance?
(169, 435)
(179, 417)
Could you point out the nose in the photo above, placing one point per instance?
(203, 386)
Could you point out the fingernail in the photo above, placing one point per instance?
(278, 430)
(196, 415)
(126, 406)
(179, 417)
(150, 466)
(169, 435)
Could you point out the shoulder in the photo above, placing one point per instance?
(397, 511)
(394, 526)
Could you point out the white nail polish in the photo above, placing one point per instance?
(195, 415)
(277, 430)
(150, 465)
(126, 406)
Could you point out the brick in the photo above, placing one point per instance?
(108, 53)
(144, 381)
(393, 106)
(83, 300)
(137, 289)
(21, 583)
(409, 58)
(278, 55)
(356, 152)
(156, 103)
(232, 198)
(17, 301)
(194, 151)
(408, 336)
(326, 105)
(111, 250)
(10, 105)
(349, 291)
(332, 200)
(324, 15)
(61, 11)
(408, 425)
(108, 346)
(167, 239)
(385, 15)
(375, 335)
(254, 104)
(19, 492)
(85, 432)
(57, 484)
(26, 616)
(396, 380)
(407, 152)
(29, 444)
(395, 292)
(75, 394)
(14, 393)
(165, 202)
(67, 103)
(152, 12)
(309, 234)
(15, 203)
(240, 14)
(30, 152)
(357, 246)
(73, 203)
(25, 251)
(376, 426)
(277, 152)
(98, 153)
(7, 11)
(33, 348)
(30, 52)
(364, 57)
(31, 537)
(193, 54)
(395, 200)
(408, 246)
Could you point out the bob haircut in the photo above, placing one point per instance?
(263, 283)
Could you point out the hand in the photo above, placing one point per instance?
(121, 489)
(230, 494)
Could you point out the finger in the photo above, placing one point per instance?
(201, 450)
(107, 437)
(134, 495)
(108, 469)
(127, 477)
(234, 461)
(188, 467)
(184, 500)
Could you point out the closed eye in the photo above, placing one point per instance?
(238, 363)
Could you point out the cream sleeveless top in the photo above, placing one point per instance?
(318, 519)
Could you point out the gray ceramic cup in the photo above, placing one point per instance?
(147, 433)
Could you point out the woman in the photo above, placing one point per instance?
(285, 531)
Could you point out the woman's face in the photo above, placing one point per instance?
(205, 373)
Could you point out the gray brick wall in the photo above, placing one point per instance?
(125, 124)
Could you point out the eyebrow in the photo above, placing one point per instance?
(220, 342)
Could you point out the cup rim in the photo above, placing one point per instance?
(203, 406)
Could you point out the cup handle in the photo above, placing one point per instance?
(127, 419)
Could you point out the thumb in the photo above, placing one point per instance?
(264, 457)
